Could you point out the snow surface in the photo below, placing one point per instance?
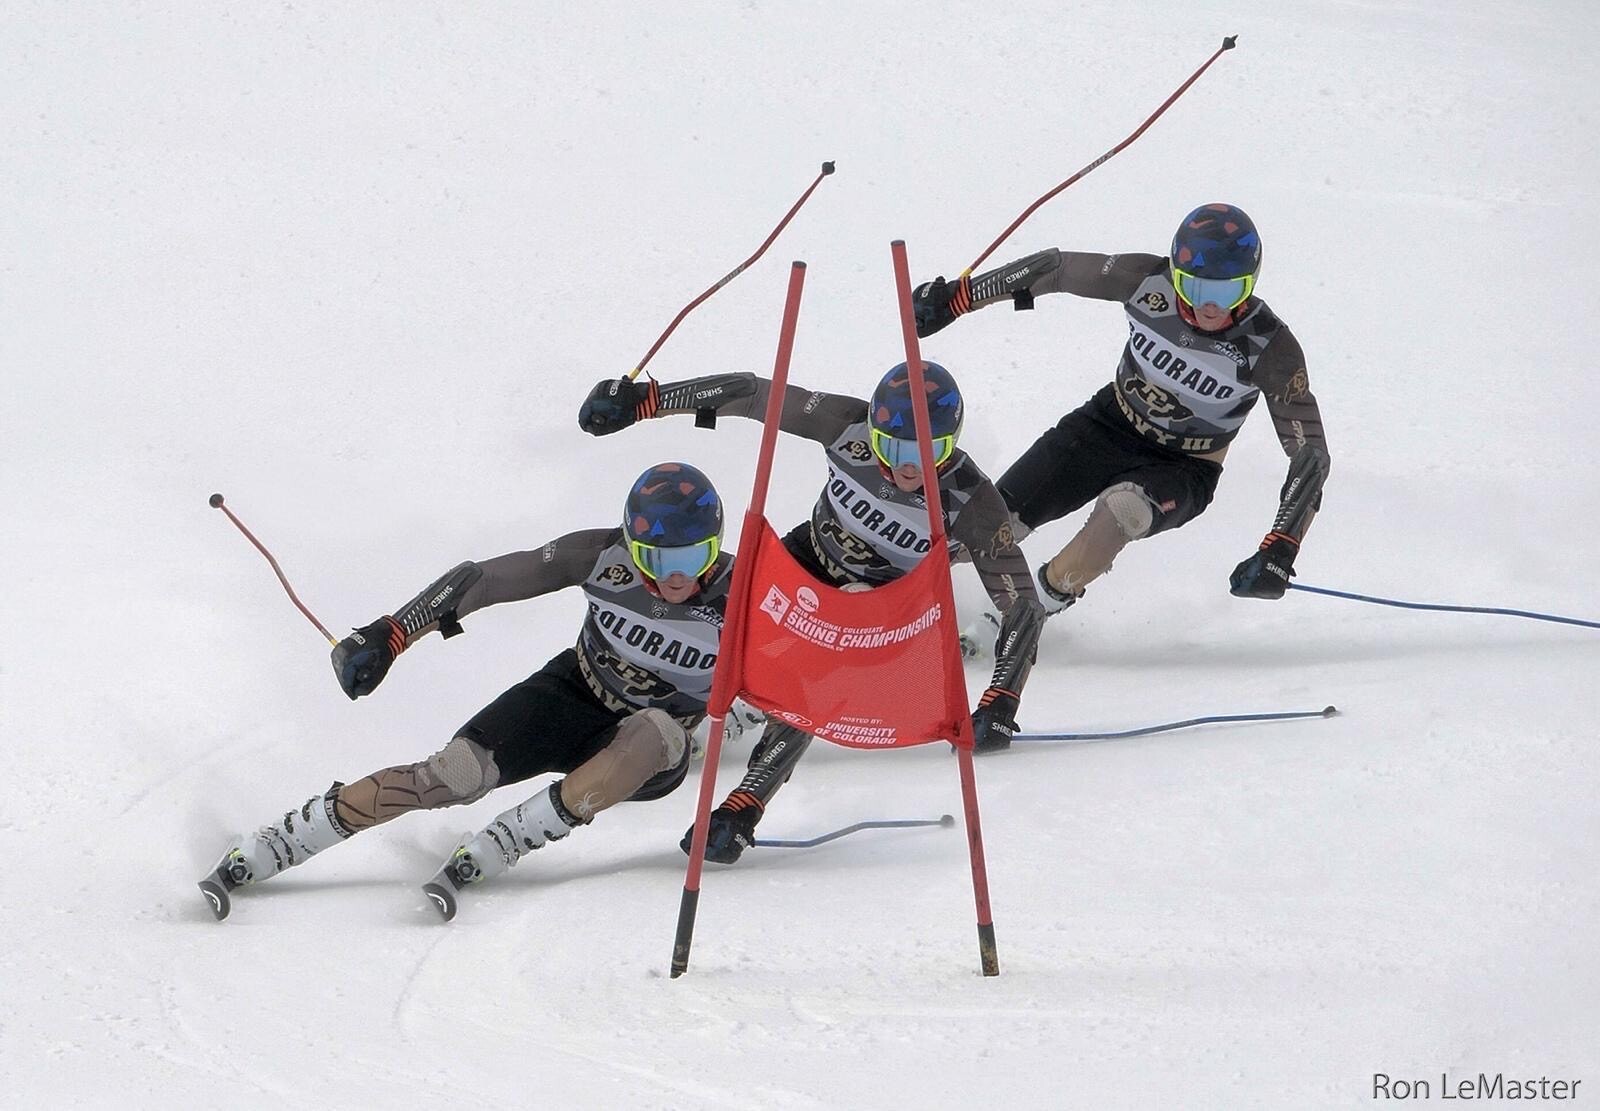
(355, 265)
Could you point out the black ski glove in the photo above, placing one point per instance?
(994, 722)
(616, 403)
(362, 659)
(1266, 574)
(935, 304)
(730, 834)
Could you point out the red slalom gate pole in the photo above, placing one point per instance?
(955, 678)
(1227, 44)
(827, 168)
(216, 503)
(729, 676)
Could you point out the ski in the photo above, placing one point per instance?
(441, 893)
(215, 889)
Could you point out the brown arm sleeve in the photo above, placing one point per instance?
(813, 415)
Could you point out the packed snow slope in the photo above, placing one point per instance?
(355, 266)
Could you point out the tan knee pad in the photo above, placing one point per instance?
(462, 771)
(647, 743)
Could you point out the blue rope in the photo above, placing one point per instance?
(1326, 712)
(1448, 609)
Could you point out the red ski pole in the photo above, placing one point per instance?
(827, 168)
(216, 503)
(1227, 44)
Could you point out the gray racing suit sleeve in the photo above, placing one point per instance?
(564, 561)
(1102, 277)
(1281, 377)
(811, 414)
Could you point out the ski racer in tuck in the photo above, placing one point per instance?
(869, 527)
(612, 713)
(1147, 449)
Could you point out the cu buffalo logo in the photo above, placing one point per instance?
(1155, 301)
(1157, 401)
(617, 575)
(858, 450)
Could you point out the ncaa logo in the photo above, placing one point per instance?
(807, 600)
(793, 719)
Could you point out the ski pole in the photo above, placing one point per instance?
(1144, 731)
(216, 503)
(1227, 44)
(945, 820)
(827, 168)
(1447, 609)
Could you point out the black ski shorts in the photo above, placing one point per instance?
(552, 722)
(1092, 448)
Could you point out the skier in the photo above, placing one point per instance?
(1147, 449)
(869, 527)
(612, 713)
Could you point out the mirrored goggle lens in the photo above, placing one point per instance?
(894, 453)
(661, 562)
(1227, 293)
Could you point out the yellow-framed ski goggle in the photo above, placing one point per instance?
(894, 453)
(660, 561)
(1226, 293)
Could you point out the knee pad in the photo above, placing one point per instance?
(1129, 506)
(466, 768)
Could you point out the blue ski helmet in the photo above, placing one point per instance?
(893, 421)
(673, 505)
(1217, 241)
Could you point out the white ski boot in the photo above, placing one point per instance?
(293, 839)
(498, 846)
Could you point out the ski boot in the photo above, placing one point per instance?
(498, 846)
(296, 837)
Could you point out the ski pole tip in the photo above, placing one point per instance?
(216, 501)
(947, 820)
(827, 168)
(1227, 43)
(1330, 711)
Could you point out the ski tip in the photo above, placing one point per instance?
(1330, 711)
(827, 168)
(216, 501)
(216, 897)
(442, 899)
(947, 820)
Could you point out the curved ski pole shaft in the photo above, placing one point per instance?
(1166, 727)
(216, 503)
(827, 168)
(1447, 609)
(1227, 44)
(945, 820)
